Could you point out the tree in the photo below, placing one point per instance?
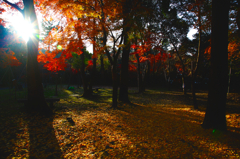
(123, 93)
(215, 113)
(172, 28)
(35, 96)
(79, 62)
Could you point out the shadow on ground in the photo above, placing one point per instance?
(43, 142)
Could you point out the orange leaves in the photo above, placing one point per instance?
(90, 64)
(154, 128)
(8, 58)
(132, 67)
(140, 49)
(233, 50)
(54, 61)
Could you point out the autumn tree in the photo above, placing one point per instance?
(215, 114)
(35, 97)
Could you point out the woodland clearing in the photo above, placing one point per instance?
(157, 124)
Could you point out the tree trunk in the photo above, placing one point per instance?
(115, 86)
(69, 81)
(184, 84)
(56, 88)
(93, 72)
(229, 77)
(139, 75)
(123, 94)
(193, 87)
(183, 67)
(144, 74)
(36, 98)
(169, 77)
(83, 76)
(195, 71)
(216, 109)
(102, 70)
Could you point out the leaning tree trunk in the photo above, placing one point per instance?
(215, 116)
(36, 98)
(183, 67)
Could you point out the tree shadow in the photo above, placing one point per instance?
(9, 128)
(101, 96)
(43, 142)
(170, 123)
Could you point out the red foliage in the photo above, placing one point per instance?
(8, 58)
(90, 65)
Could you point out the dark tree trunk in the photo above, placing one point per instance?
(195, 71)
(139, 75)
(169, 77)
(93, 71)
(238, 17)
(123, 93)
(93, 75)
(69, 81)
(83, 76)
(184, 84)
(36, 98)
(115, 86)
(193, 88)
(144, 75)
(102, 70)
(56, 87)
(215, 116)
(112, 59)
(183, 67)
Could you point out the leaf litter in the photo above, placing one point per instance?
(157, 124)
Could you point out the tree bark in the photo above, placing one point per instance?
(215, 116)
(184, 84)
(195, 71)
(115, 86)
(139, 75)
(94, 68)
(123, 93)
(102, 70)
(36, 98)
(183, 67)
(83, 76)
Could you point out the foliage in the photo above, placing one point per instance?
(76, 61)
(7, 56)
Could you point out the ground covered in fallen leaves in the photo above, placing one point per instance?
(157, 124)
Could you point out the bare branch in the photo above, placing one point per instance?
(15, 6)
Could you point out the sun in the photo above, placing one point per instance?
(24, 28)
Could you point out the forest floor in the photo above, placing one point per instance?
(157, 124)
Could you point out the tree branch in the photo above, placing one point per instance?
(14, 6)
